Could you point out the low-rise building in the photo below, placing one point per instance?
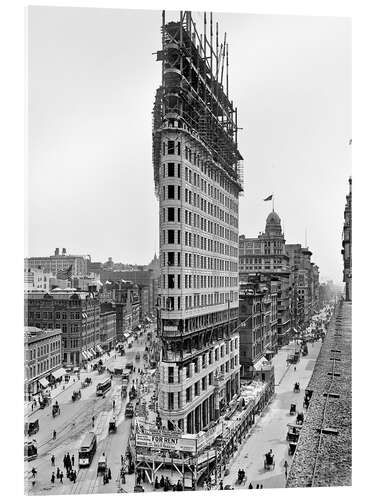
(77, 314)
(43, 358)
(59, 262)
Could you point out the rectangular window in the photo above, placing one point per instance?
(170, 236)
(170, 375)
(170, 192)
(170, 169)
(170, 400)
(170, 214)
(171, 147)
(170, 259)
(170, 280)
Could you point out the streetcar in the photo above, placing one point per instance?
(103, 387)
(87, 450)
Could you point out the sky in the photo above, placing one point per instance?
(92, 76)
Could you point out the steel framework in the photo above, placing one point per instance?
(192, 95)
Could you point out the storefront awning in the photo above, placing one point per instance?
(259, 364)
(92, 350)
(99, 349)
(84, 355)
(59, 373)
(88, 354)
(44, 382)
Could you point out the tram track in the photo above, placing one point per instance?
(85, 484)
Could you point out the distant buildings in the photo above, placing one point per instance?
(266, 255)
(59, 262)
(347, 244)
(43, 358)
(38, 279)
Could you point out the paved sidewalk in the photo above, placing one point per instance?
(269, 431)
(64, 386)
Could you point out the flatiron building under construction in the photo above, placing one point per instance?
(198, 179)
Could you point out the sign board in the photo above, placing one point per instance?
(170, 328)
(164, 442)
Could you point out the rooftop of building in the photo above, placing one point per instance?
(34, 334)
(324, 452)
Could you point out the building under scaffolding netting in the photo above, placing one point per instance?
(193, 95)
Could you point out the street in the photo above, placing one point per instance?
(75, 421)
(270, 429)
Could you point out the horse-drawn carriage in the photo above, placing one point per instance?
(76, 395)
(30, 450)
(55, 409)
(293, 432)
(293, 409)
(269, 461)
(133, 392)
(300, 418)
(44, 401)
(296, 387)
(102, 465)
(86, 382)
(31, 428)
(112, 427)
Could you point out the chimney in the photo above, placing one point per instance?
(64, 251)
(56, 252)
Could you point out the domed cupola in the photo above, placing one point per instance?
(273, 224)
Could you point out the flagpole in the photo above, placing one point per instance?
(273, 203)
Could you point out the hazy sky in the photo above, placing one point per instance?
(92, 80)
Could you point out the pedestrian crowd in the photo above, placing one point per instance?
(68, 463)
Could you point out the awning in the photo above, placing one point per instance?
(88, 354)
(59, 373)
(92, 350)
(259, 364)
(99, 349)
(44, 382)
(84, 355)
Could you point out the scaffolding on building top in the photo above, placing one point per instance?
(193, 97)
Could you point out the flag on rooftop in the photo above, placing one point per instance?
(269, 198)
(65, 274)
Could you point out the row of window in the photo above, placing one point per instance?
(195, 390)
(44, 349)
(43, 366)
(174, 148)
(198, 281)
(173, 237)
(193, 301)
(195, 220)
(198, 261)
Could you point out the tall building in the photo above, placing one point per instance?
(258, 322)
(266, 254)
(197, 173)
(347, 244)
(59, 262)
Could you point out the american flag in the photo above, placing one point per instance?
(65, 274)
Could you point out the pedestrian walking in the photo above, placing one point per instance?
(286, 469)
(122, 460)
(68, 462)
(58, 472)
(54, 434)
(53, 460)
(33, 471)
(221, 487)
(73, 460)
(261, 486)
(61, 477)
(257, 487)
(250, 486)
(53, 478)
(64, 462)
(109, 474)
(93, 420)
